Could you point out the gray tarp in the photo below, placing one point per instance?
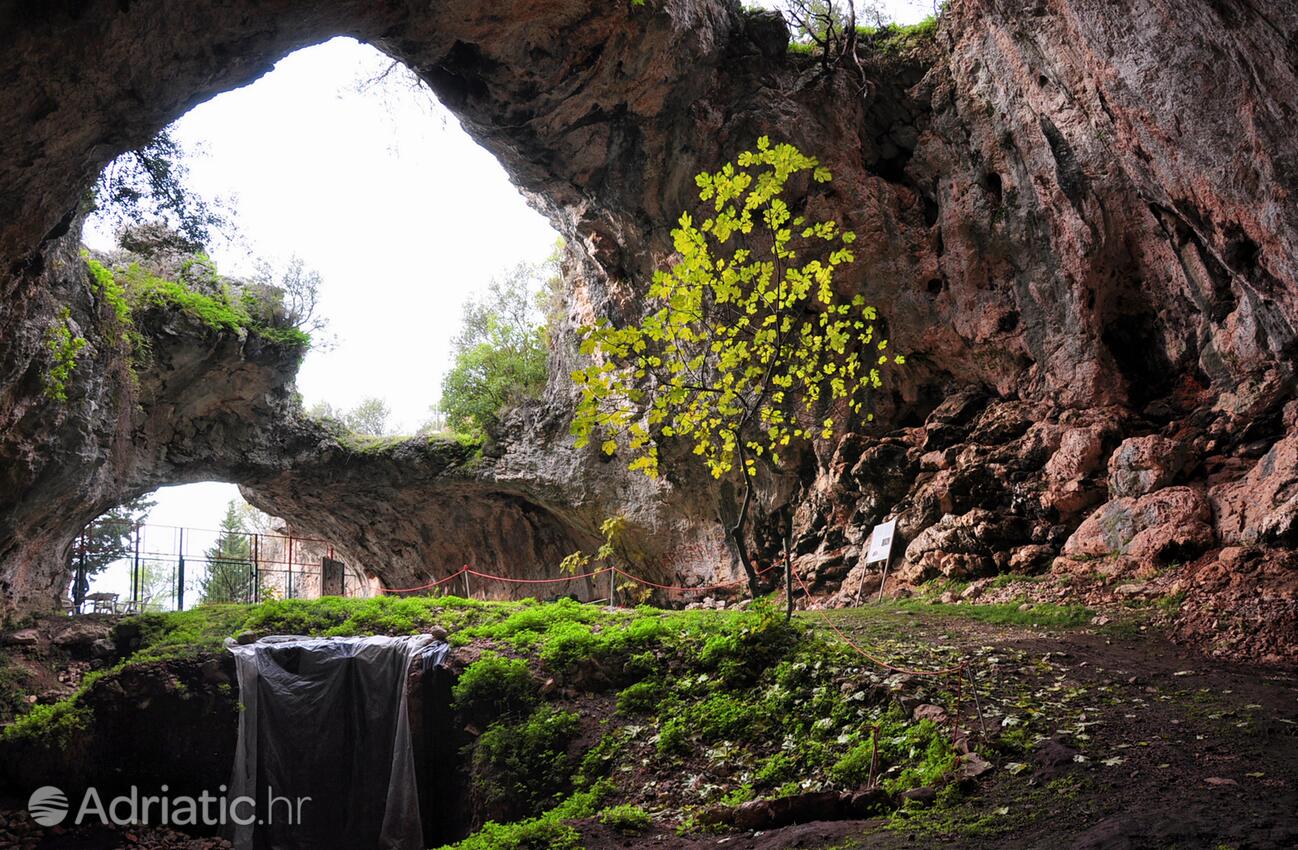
(326, 718)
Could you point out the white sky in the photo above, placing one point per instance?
(388, 198)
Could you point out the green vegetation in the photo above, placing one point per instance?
(64, 346)
(228, 577)
(54, 726)
(134, 289)
(1019, 613)
(370, 417)
(574, 700)
(106, 539)
(13, 691)
(625, 818)
(898, 39)
(501, 350)
(524, 767)
(549, 831)
(746, 345)
(493, 687)
(150, 184)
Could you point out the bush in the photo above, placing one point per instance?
(54, 726)
(494, 687)
(626, 818)
(640, 698)
(523, 768)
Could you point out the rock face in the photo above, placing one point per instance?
(1077, 216)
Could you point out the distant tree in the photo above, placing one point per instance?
(745, 346)
(501, 350)
(150, 183)
(156, 579)
(228, 577)
(370, 416)
(289, 297)
(104, 541)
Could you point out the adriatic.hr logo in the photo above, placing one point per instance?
(49, 807)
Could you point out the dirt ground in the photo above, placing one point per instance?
(1132, 742)
(1149, 746)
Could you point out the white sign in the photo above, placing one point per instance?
(881, 541)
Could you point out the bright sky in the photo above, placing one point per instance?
(388, 198)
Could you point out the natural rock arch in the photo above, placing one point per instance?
(1040, 190)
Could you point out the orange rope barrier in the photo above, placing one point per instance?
(946, 671)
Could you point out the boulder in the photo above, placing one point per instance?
(1169, 525)
(1141, 465)
(1262, 507)
(1067, 490)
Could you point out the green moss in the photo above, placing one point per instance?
(895, 39)
(525, 767)
(640, 698)
(625, 818)
(770, 708)
(1010, 613)
(549, 831)
(136, 288)
(53, 726)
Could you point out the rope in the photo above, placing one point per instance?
(509, 580)
(683, 589)
(601, 571)
(879, 661)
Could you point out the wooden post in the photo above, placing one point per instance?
(612, 576)
(884, 579)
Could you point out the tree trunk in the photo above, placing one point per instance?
(735, 533)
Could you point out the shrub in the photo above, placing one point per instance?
(494, 687)
(625, 818)
(640, 698)
(54, 726)
(524, 767)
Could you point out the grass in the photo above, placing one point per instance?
(1008, 613)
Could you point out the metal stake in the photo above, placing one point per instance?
(180, 574)
(973, 688)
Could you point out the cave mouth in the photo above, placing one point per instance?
(339, 156)
(199, 543)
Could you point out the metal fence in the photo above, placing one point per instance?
(171, 568)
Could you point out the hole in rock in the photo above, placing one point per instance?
(196, 544)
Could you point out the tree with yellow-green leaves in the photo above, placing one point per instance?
(745, 346)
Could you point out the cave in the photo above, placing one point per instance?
(1092, 450)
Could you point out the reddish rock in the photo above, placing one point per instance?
(1171, 524)
(1142, 465)
(1078, 455)
(1262, 507)
(1243, 603)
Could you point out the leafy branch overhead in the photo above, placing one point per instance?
(746, 346)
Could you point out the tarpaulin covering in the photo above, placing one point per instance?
(326, 718)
